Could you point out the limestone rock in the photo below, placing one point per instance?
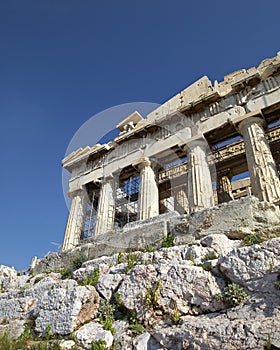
(14, 328)
(253, 267)
(93, 331)
(145, 342)
(220, 243)
(67, 344)
(64, 308)
(107, 284)
(122, 337)
(178, 286)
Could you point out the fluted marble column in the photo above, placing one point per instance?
(106, 206)
(224, 190)
(262, 168)
(181, 203)
(76, 219)
(148, 200)
(200, 192)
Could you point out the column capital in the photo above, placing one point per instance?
(249, 121)
(199, 141)
(142, 163)
(76, 192)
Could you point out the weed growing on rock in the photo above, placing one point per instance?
(120, 257)
(153, 295)
(11, 344)
(131, 259)
(168, 242)
(233, 294)
(210, 256)
(65, 273)
(106, 315)
(98, 345)
(78, 261)
(48, 334)
(251, 239)
(92, 279)
(176, 315)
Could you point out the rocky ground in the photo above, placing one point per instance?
(215, 293)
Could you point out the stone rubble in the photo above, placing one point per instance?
(173, 293)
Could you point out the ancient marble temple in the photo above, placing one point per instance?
(209, 144)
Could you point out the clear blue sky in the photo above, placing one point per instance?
(63, 61)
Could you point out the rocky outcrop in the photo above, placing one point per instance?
(172, 298)
(235, 219)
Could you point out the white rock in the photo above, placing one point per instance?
(67, 344)
(107, 284)
(141, 342)
(93, 331)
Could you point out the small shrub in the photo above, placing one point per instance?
(210, 256)
(176, 315)
(120, 257)
(48, 335)
(106, 315)
(206, 267)
(137, 328)
(66, 273)
(191, 258)
(131, 261)
(233, 294)
(168, 242)
(78, 261)
(251, 239)
(38, 279)
(153, 295)
(98, 345)
(93, 279)
(271, 266)
(27, 334)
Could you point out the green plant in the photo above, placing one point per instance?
(210, 256)
(131, 259)
(38, 279)
(153, 295)
(98, 345)
(168, 242)
(136, 328)
(120, 257)
(233, 294)
(65, 273)
(48, 335)
(106, 315)
(92, 279)
(271, 266)
(78, 260)
(251, 239)
(191, 258)
(27, 334)
(176, 315)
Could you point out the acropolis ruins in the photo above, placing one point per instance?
(209, 144)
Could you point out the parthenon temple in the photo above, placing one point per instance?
(209, 144)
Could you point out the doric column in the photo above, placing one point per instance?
(224, 190)
(148, 200)
(106, 206)
(76, 219)
(181, 203)
(200, 192)
(263, 172)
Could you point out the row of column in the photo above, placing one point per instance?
(263, 172)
